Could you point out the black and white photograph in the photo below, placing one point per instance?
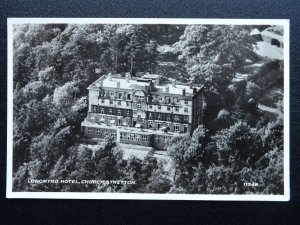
(170, 109)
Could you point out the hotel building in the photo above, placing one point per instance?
(142, 110)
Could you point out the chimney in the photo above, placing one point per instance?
(167, 89)
(183, 92)
(127, 77)
(174, 83)
(118, 84)
(157, 81)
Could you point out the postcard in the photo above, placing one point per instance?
(157, 109)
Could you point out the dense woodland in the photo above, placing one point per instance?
(238, 142)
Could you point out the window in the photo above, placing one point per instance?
(186, 110)
(98, 132)
(139, 106)
(176, 108)
(157, 139)
(159, 107)
(150, 123)
(159, 116)
(90, 130)
(127, 104)
(169, 100)
(150, 106)
(137, 138)
(123, 136)
(128, 112)
(139, 116)
(102, 101)
(102, 111)
(128, 96)
(176, 127)
(185, 128)
(120, 95)
(94, 109)
(132, 137)
(111, 102)
(114, 133)
(176, 118)
(168, 108)
(112, 93)
(144, 138)
(119, 102)
(110, 111)
(119, 112)
(186, 102)
(150, 116)
(168, 118)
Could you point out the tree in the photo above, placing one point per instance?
(239, 145)
(212, 54)
(187, 154)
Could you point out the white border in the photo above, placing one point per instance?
(81, 195)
